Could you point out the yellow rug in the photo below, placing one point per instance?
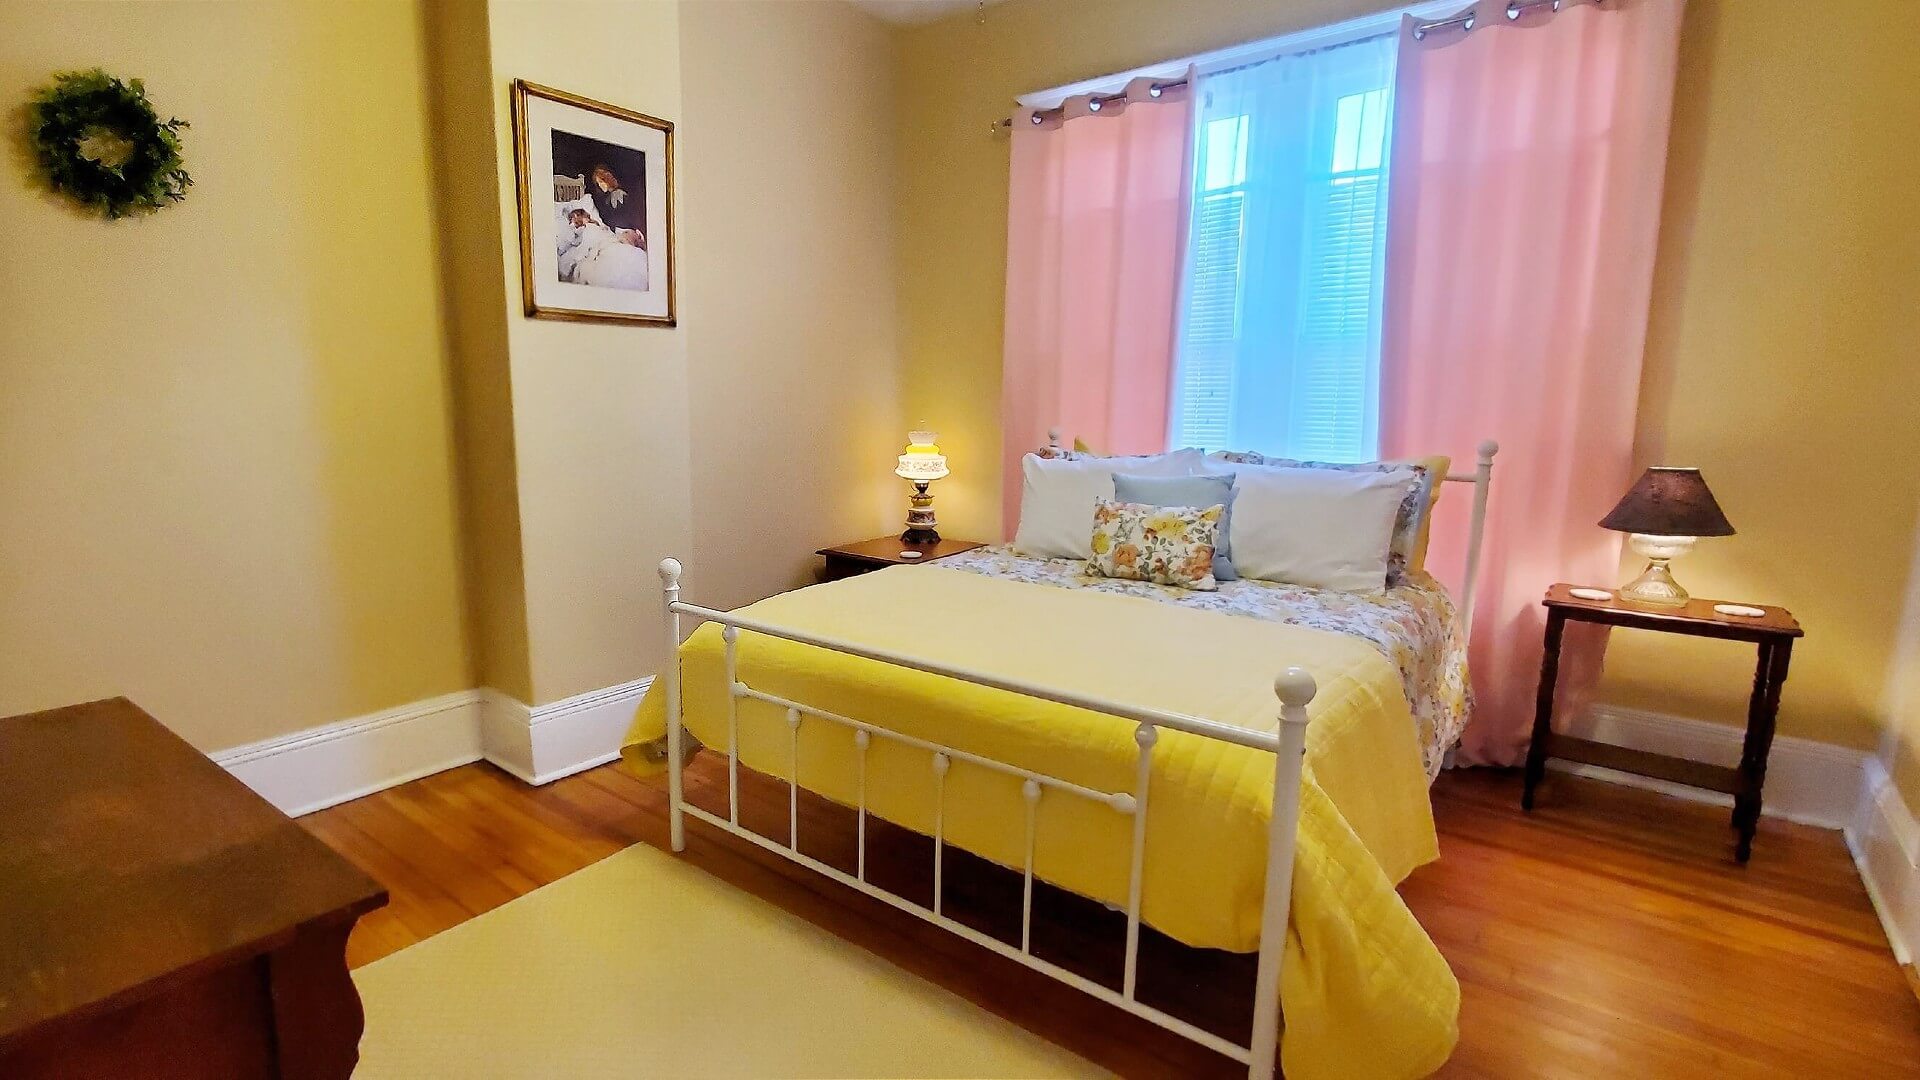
(642, 965)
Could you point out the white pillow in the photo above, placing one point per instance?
(1057, 496)
(1323, 528)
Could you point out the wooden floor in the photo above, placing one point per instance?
(1608, 933)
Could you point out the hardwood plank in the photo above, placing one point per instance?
(416, 909)
(1606, 933)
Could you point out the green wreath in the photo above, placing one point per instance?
(100, 142)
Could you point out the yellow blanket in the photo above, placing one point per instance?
(1364, 991)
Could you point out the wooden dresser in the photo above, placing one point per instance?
(157, 918)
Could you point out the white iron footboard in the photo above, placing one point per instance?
(1294, 687)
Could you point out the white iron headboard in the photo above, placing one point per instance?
(1482, 480)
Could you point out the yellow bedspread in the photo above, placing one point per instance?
(1364, 991)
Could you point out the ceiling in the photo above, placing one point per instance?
(909, 12)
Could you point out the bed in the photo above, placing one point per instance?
(1414, 625)
(1129, 742)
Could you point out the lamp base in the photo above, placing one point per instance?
(921, 526)
(1654, 586)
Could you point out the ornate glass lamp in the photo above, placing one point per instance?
(1665, 512)
(922, 464)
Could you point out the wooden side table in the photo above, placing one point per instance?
(1774, 633)
(864, 556)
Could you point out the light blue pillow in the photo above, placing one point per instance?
(1195, 491)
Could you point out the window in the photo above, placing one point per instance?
(1213, 306)
(1280, 337)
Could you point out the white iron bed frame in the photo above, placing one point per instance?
(1294, 687)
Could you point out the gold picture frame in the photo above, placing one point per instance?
(600, 254)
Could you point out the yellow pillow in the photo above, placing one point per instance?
(1436, 466)
(1080, 447)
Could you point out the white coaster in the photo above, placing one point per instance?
(1741, 610)
(1591, 594)
(911, 555)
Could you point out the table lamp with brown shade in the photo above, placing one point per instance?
(1665, 512)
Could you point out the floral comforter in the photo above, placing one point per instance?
(1412, 624)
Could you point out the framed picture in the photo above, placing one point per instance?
(596, 209)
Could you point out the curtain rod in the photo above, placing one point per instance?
(1096, 101)
(1465, 20)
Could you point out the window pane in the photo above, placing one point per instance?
(1223, 153)
(1279, 345)
(1346, 134)
(1359, 134)
(1373, 130)
(1205, 383)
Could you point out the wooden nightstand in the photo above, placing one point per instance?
(846, 560)
(1773, 632)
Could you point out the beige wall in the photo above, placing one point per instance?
(787, 197)
(599, 410)
(1787, 262)
(229, 452)
(1779, 357)
(1900, 747)
(477, 305)
(224, 439)
(759, 429)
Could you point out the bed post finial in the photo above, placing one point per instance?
(1053, 437)
(1488, 448)
(1294, 687)
(670, 572)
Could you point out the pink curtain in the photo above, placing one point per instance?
(1095, 219)
(1527, 164)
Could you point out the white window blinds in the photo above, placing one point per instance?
(1280, 340)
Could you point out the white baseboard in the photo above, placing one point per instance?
(506, 733)
(319, 767)
(543, 743)
(1885, 841)
(1809, 782)
(584, 730)
(323, 766)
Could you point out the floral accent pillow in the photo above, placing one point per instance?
(1167, 545)
(1407, 521)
